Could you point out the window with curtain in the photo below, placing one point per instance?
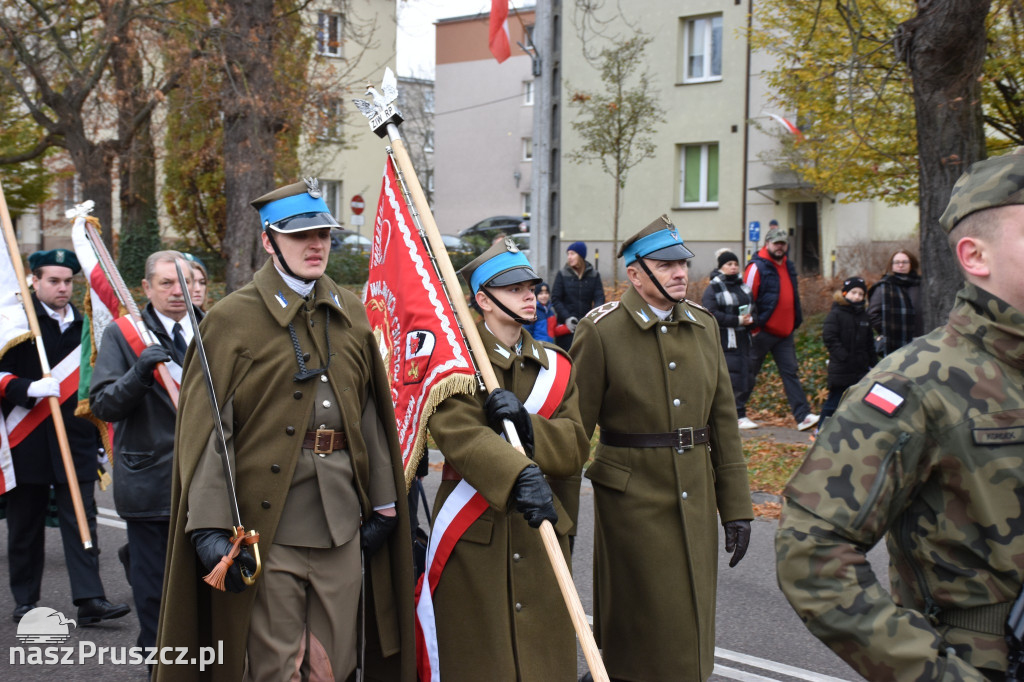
(702, 46)
(698, 175)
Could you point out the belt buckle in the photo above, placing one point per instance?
(326, 449)
(684, 443)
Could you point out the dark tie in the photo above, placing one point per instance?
(179, 342)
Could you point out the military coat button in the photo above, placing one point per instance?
(327, 403)
(265, 504)
(684, 495)
(305, 357)
(275, 468)
(323, 378)
(516, 557)
(297, 395)
(290, 430)
(664, 329)
(671, 365)
(676, 402)
(519, 607)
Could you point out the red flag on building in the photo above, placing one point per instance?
(417, 331)
(497, 38)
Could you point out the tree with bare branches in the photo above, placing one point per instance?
(617, 124)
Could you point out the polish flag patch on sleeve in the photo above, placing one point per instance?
(885, 400)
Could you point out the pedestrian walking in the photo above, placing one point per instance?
(850, 342)
(577, 290)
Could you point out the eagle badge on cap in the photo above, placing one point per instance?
(59, 255)
(510, 244)
(312, 187)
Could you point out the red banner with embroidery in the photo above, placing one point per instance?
(415, 326)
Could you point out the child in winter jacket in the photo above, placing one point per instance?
(546, 327)
(850, 341)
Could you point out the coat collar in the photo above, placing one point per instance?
(284, 304)
(502, 356)
(991, 323)
(645, 318)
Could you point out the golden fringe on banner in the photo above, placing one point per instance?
(446, 388)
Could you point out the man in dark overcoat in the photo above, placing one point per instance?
(37, 459)
(311, 434)
(669, 463)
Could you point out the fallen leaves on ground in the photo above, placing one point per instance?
(768, 510)
(770, 463)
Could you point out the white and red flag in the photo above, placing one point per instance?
(417, 331)
(100, 308)
(497, 34)
(14, 329)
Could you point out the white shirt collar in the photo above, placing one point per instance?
(168, 323)
(662, 314)
(64, 322)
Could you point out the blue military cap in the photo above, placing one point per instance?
(61, 257)
(295, 208)
(658, 241)
(499, 266)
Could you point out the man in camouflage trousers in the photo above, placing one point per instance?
(928, 450)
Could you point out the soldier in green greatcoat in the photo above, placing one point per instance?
(927, 451)
(652, 375)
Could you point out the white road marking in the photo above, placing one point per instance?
(104, 512)
(764, 664)
(733, 674)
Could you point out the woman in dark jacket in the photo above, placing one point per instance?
(850, 342)
(728, 299)
(577, 290)
(894, 303)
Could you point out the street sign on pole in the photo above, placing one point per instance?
(754, 231)
(357, 220)
(357, 204)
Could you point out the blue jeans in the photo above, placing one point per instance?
(783, 351)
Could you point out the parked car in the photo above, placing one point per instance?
(481, 235)
(456, 245)
(347, 241)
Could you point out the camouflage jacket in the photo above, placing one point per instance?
(928, 450)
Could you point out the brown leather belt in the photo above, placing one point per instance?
(680, 439)
(323, 441)
(448, 473)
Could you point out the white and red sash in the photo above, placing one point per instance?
(23, 420)
(464, 506)
(131, 335)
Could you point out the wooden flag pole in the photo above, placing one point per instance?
(384, 120)
(54, 403)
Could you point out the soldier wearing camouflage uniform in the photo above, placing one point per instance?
(927, 450)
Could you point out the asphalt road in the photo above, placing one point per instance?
(758, 635)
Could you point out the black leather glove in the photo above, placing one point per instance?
(150, 357)
(375, 531)
(532, 496)
(213, 543)
(737, 537)
(503, 404)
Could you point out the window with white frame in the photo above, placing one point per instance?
(528, 93)
(527, 148)
(702, 49)
(331, 114)
(328, 34)
(698, 175)
(527, 203)
(331, 192)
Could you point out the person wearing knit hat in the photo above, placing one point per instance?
(668, 468)
(925, 453)
(849, 340)
(728, 298)
(317, 472)
(577, 289)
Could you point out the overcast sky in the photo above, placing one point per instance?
(416, 30)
